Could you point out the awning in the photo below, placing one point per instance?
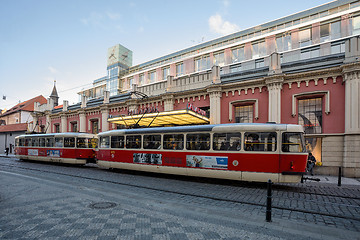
(177, 118)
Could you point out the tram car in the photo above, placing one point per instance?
(70, 148)
(245, 152)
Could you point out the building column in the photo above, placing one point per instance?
(274, 86)
(104, 118)
(351, 160)
(168, 102)
(82, 121)
(63, 125)
(215, 104)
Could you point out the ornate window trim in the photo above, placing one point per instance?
(244, 102)
(311, 94)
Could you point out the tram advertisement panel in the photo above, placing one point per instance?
(33, 152)
(53, 153)
(149, 158)
(206, 161)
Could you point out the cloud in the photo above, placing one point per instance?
(113, 16)
(218, 25)
(52, 69)
(226, 3)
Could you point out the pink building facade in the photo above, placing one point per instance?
(302, 69)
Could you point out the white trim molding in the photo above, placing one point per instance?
(244, 102)
(309, 94)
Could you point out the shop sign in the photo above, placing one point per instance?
(196, 109)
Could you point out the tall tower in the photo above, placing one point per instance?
(119, 59)
(54, 96)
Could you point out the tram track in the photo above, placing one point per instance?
(214, 198)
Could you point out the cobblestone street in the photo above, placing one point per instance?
(50, 201)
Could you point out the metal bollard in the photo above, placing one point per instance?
(268, 204)
(339, 177)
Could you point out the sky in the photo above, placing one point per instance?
(67, 40)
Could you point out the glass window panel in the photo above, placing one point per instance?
(117, 141)
(227, 141)
(335, 30)
(104, 142)
(199, 141)
(244, 114)
(69, 142)
(325, 32)
(305, 37)
(310, 115)
(152, 141)
(356, 25)
(173, 141)
(49, 142)
(293, 142)
(133, 141)
(260, 141)
(59, 142)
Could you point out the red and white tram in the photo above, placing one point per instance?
(247, 152)
(72, 148)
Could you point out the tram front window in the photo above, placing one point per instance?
(293, 142)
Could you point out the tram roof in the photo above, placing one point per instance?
(159, 119)
(231, 127)
(66, 134)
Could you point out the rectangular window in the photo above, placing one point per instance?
(69, 142)
(152, 141)
(117, 141)
(50, 142)
(255, 50)
(235, 68)
(130, 82)
(35, 142)
(310, 115)
(305, 37)
(227, 141)
(237, 55)
(133, 141)
(219, 59)
(179, 69)
(173, 141)
(325, 32)
(141, 80)
(74, 127)
(335, 30)
(338, 47)
(104, 142)
(165, 73)
(198, 141)
(57, 128)
(152, 76)
(94, 126)
(293, 142)
(260, 141)
(59, 142)
(244, 114)
(259, 63)
(202, 63)
(42, 142)
(356, 25)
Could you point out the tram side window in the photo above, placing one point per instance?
(35, 142)
(41, 142)
(133, 141)
(81, 143)
(292, 142)
(17, 142)
(49, 142)
(227, 141)
(104, 142)
(69, 142)
(59, 142)
(152, 141)
(21, 142)
(260, 141)
(198, 141)
(117, 141)
(173, 141)
(28, 142)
